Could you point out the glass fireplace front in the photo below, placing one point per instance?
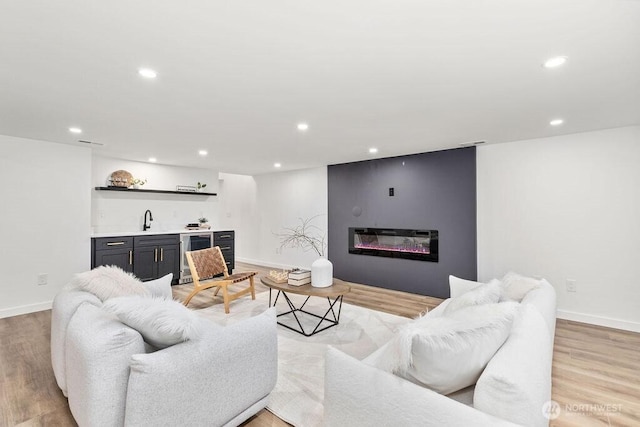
(421, 245)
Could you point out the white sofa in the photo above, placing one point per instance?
(511, 390)
(112, 377)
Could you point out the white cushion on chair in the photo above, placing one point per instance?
(161, 287)
(458, 286)
(516, 286)
(161, 322)
(108, 282)
(483, 294)
(448, 352)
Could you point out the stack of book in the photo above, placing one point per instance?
(299, 277)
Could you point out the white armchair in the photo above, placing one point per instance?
(112, 377)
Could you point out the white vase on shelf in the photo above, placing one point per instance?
(321, 273)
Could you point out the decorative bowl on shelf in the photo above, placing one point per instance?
(120, 178)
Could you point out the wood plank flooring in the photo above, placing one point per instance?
(596, 380)
(29, 395)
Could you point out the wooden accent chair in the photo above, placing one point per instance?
(209, 262)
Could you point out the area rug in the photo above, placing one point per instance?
(299, 393)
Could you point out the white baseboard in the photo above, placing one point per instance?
(25, 309)
(599, 320)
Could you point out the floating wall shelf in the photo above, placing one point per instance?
(140, 190)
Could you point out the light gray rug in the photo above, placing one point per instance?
(299, 393)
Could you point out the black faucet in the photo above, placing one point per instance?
(145, 227)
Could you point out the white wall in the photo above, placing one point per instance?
(258, 207)
(562, 208)
(44, 223)
(115, 212)
(566, 207)
(238, 211)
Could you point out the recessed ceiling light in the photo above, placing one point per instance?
(303, 127)
(153, 159)
(147, 73)
(75, 130)
(373, 150)
(556, 122)
(203, 152)
(277, 165)
(556, 61)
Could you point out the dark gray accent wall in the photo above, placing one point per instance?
(432, 191)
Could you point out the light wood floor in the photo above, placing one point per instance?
(596, 375)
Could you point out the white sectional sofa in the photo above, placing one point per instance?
(113, 377)
(511, 390)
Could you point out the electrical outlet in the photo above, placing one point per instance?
(42, 279)
(572, 286)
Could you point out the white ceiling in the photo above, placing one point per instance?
(235, 77)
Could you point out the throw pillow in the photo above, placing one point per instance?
(458, 286)
(448, 353)
(161, 287)
(160, 321)
(515, 286)
(483, 294)
(108, 282)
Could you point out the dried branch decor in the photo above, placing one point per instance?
(305, 236)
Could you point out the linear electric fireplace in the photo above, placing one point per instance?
(421, 245)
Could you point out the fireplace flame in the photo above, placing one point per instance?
(401, 248)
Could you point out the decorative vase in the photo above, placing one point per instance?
(321, 273)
